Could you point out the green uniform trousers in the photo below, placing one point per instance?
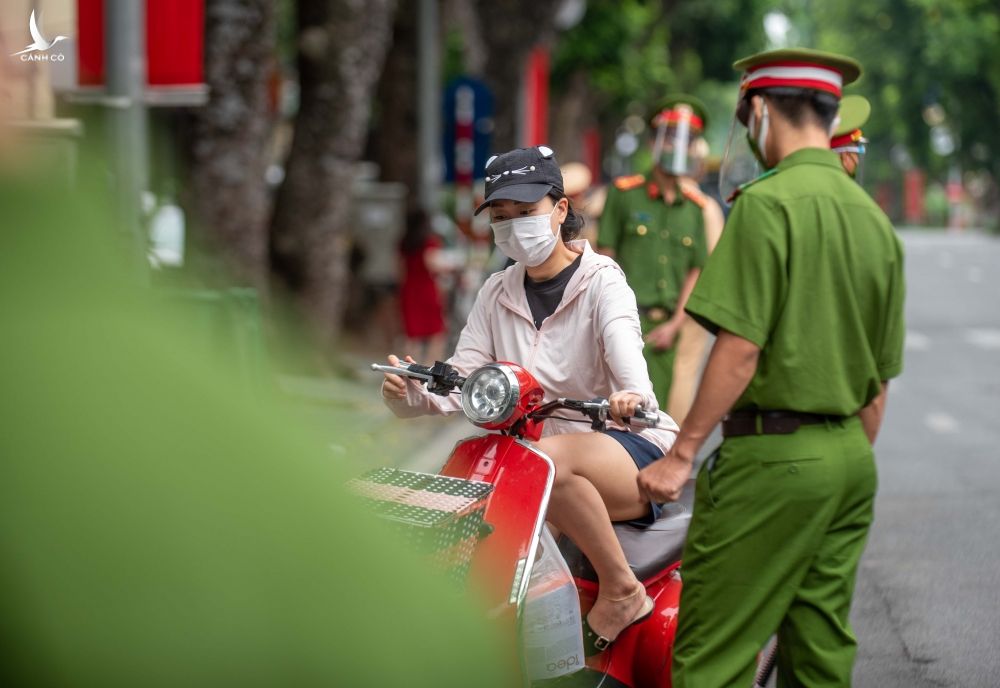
(779, 524)
(660, 363)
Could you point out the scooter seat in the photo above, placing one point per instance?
(648, 550)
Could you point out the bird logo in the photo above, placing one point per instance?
(39, 44)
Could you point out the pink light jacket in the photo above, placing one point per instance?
(589, 347)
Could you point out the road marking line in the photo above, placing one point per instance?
(984, 338)
(941, 423)
(916, 341)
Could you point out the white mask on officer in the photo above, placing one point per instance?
(529, 240)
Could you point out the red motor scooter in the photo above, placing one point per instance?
(496, 488)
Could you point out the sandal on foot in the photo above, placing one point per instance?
(594, 643)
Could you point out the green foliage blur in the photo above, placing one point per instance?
(160, 526)
(636, 52)
(932, 68)
(927, 63)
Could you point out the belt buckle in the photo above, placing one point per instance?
(656, 314)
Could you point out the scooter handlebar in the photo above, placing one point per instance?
(417, 372)
(643, 419)
(599, 410)
(441, 378)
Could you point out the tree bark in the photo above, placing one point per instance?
(510, 29)
(394, 138)
(461, 16)
(228, 200)
(342, 46)
(572, 114)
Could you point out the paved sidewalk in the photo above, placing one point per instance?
(359, 428)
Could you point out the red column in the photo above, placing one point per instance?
(913, 196)
(536, 98)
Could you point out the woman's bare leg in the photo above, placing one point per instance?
(596, 483)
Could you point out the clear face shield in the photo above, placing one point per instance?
(740, 162)
(677, 149)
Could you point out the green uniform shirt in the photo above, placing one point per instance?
(810, 270)
(655, 242)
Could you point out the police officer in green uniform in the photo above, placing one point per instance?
(847, 141)
(805, 292)
(653, 227)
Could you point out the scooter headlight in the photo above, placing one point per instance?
(490, 394)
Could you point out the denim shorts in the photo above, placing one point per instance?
(643, 452)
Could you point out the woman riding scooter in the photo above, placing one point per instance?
(567, 315)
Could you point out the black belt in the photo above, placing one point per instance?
(655, 314)
(759, 422)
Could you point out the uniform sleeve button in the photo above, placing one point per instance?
(641, 230)
(662, 284)
(687, 241)
(665, 234)
(663, 260)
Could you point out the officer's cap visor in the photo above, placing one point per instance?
(522, 193)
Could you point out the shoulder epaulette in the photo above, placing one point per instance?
(744, 187)
(695, 196)
(629, 182)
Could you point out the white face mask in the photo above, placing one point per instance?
(758, 146)
(529, 240)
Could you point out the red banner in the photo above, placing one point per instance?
(175, 42)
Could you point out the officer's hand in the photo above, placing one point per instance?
(664, 479)
(394, 386)
(662, 336)
(623, 404)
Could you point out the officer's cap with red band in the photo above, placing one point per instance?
(853, 113)
(672, 109)
(798, 68)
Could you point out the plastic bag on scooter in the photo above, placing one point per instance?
(551, 633)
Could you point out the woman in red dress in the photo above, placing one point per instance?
(419, 298)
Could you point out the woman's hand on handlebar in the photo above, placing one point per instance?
(623, 405)
(394, 386)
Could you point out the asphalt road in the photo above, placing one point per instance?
(927, 607)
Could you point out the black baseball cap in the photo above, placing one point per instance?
(523, 174)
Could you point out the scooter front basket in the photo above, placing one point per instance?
(440, 517)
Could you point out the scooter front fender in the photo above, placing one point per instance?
(522, 478)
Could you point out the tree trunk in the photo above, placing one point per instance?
(510, 29)
(394, 138)
(342, 45)
(228, 198)
(572, 114)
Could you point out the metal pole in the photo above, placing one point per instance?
(33, 76)
(125, 60)
(429, 87)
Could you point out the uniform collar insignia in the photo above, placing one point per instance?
(750, 183)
